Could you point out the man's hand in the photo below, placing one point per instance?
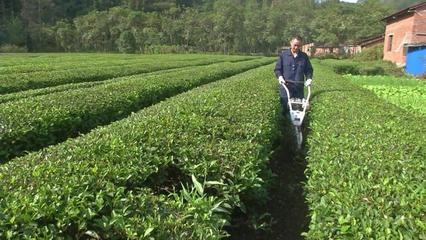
(281, 80)
(308, 82)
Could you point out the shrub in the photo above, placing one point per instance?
(373, 70)
(10, 48)
(370, 54)
(347, 69)
(162, 49)
(327, 56)
(349, 66)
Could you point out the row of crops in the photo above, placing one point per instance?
(168, 150)
(43, 62)
(366, 161)
(114, 182)
(33, 78)
(406, 93)
(35, 122)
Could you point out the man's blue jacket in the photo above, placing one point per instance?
(295, 69)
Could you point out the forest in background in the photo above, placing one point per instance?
(152, 26)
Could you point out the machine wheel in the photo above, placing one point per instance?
(299, 136)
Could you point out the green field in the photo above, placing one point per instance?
(109, 146)
(406, 93)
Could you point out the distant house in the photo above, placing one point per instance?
(313, 49)
(405, 38)
(309, 49)
(327, 49)
(351, 49)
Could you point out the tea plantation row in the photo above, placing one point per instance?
(409, 94)
(26, 63)
(176, 170)
(15, 82)
(32, 123)
(71, 86)
(366, 165)
(113, 181)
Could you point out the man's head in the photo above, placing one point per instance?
(295, 44)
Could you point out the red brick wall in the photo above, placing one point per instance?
(402, 33)
(406, 30)
(308, 48)
(420, 26)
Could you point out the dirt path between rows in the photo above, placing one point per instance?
(285, 213)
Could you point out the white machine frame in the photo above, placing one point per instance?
(297, 115)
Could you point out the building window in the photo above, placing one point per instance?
(390, 40)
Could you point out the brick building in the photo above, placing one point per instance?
(404, 29)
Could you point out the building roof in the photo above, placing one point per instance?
(322, 45)
(404, 12)
(415, 45)
(371, 40)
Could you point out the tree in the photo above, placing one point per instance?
(254, 26)
(15, 32)
(134, 4)
(171, 25)
(332, 23)
(34, 13)
(398, 4)
(126, 43)
(65, 35)
(136, 23)
(93, 31)
(301, 14)
(275, 25)
(228, 24)
(205, 25)
(370, 24)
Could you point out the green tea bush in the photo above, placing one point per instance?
(35, 122)
(97, 186)
(31, 62)
(43, 91)
(23, 81)
(66, 87)
(366, 165)
(405, 93)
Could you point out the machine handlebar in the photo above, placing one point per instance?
(291, 81)
(288, 94)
